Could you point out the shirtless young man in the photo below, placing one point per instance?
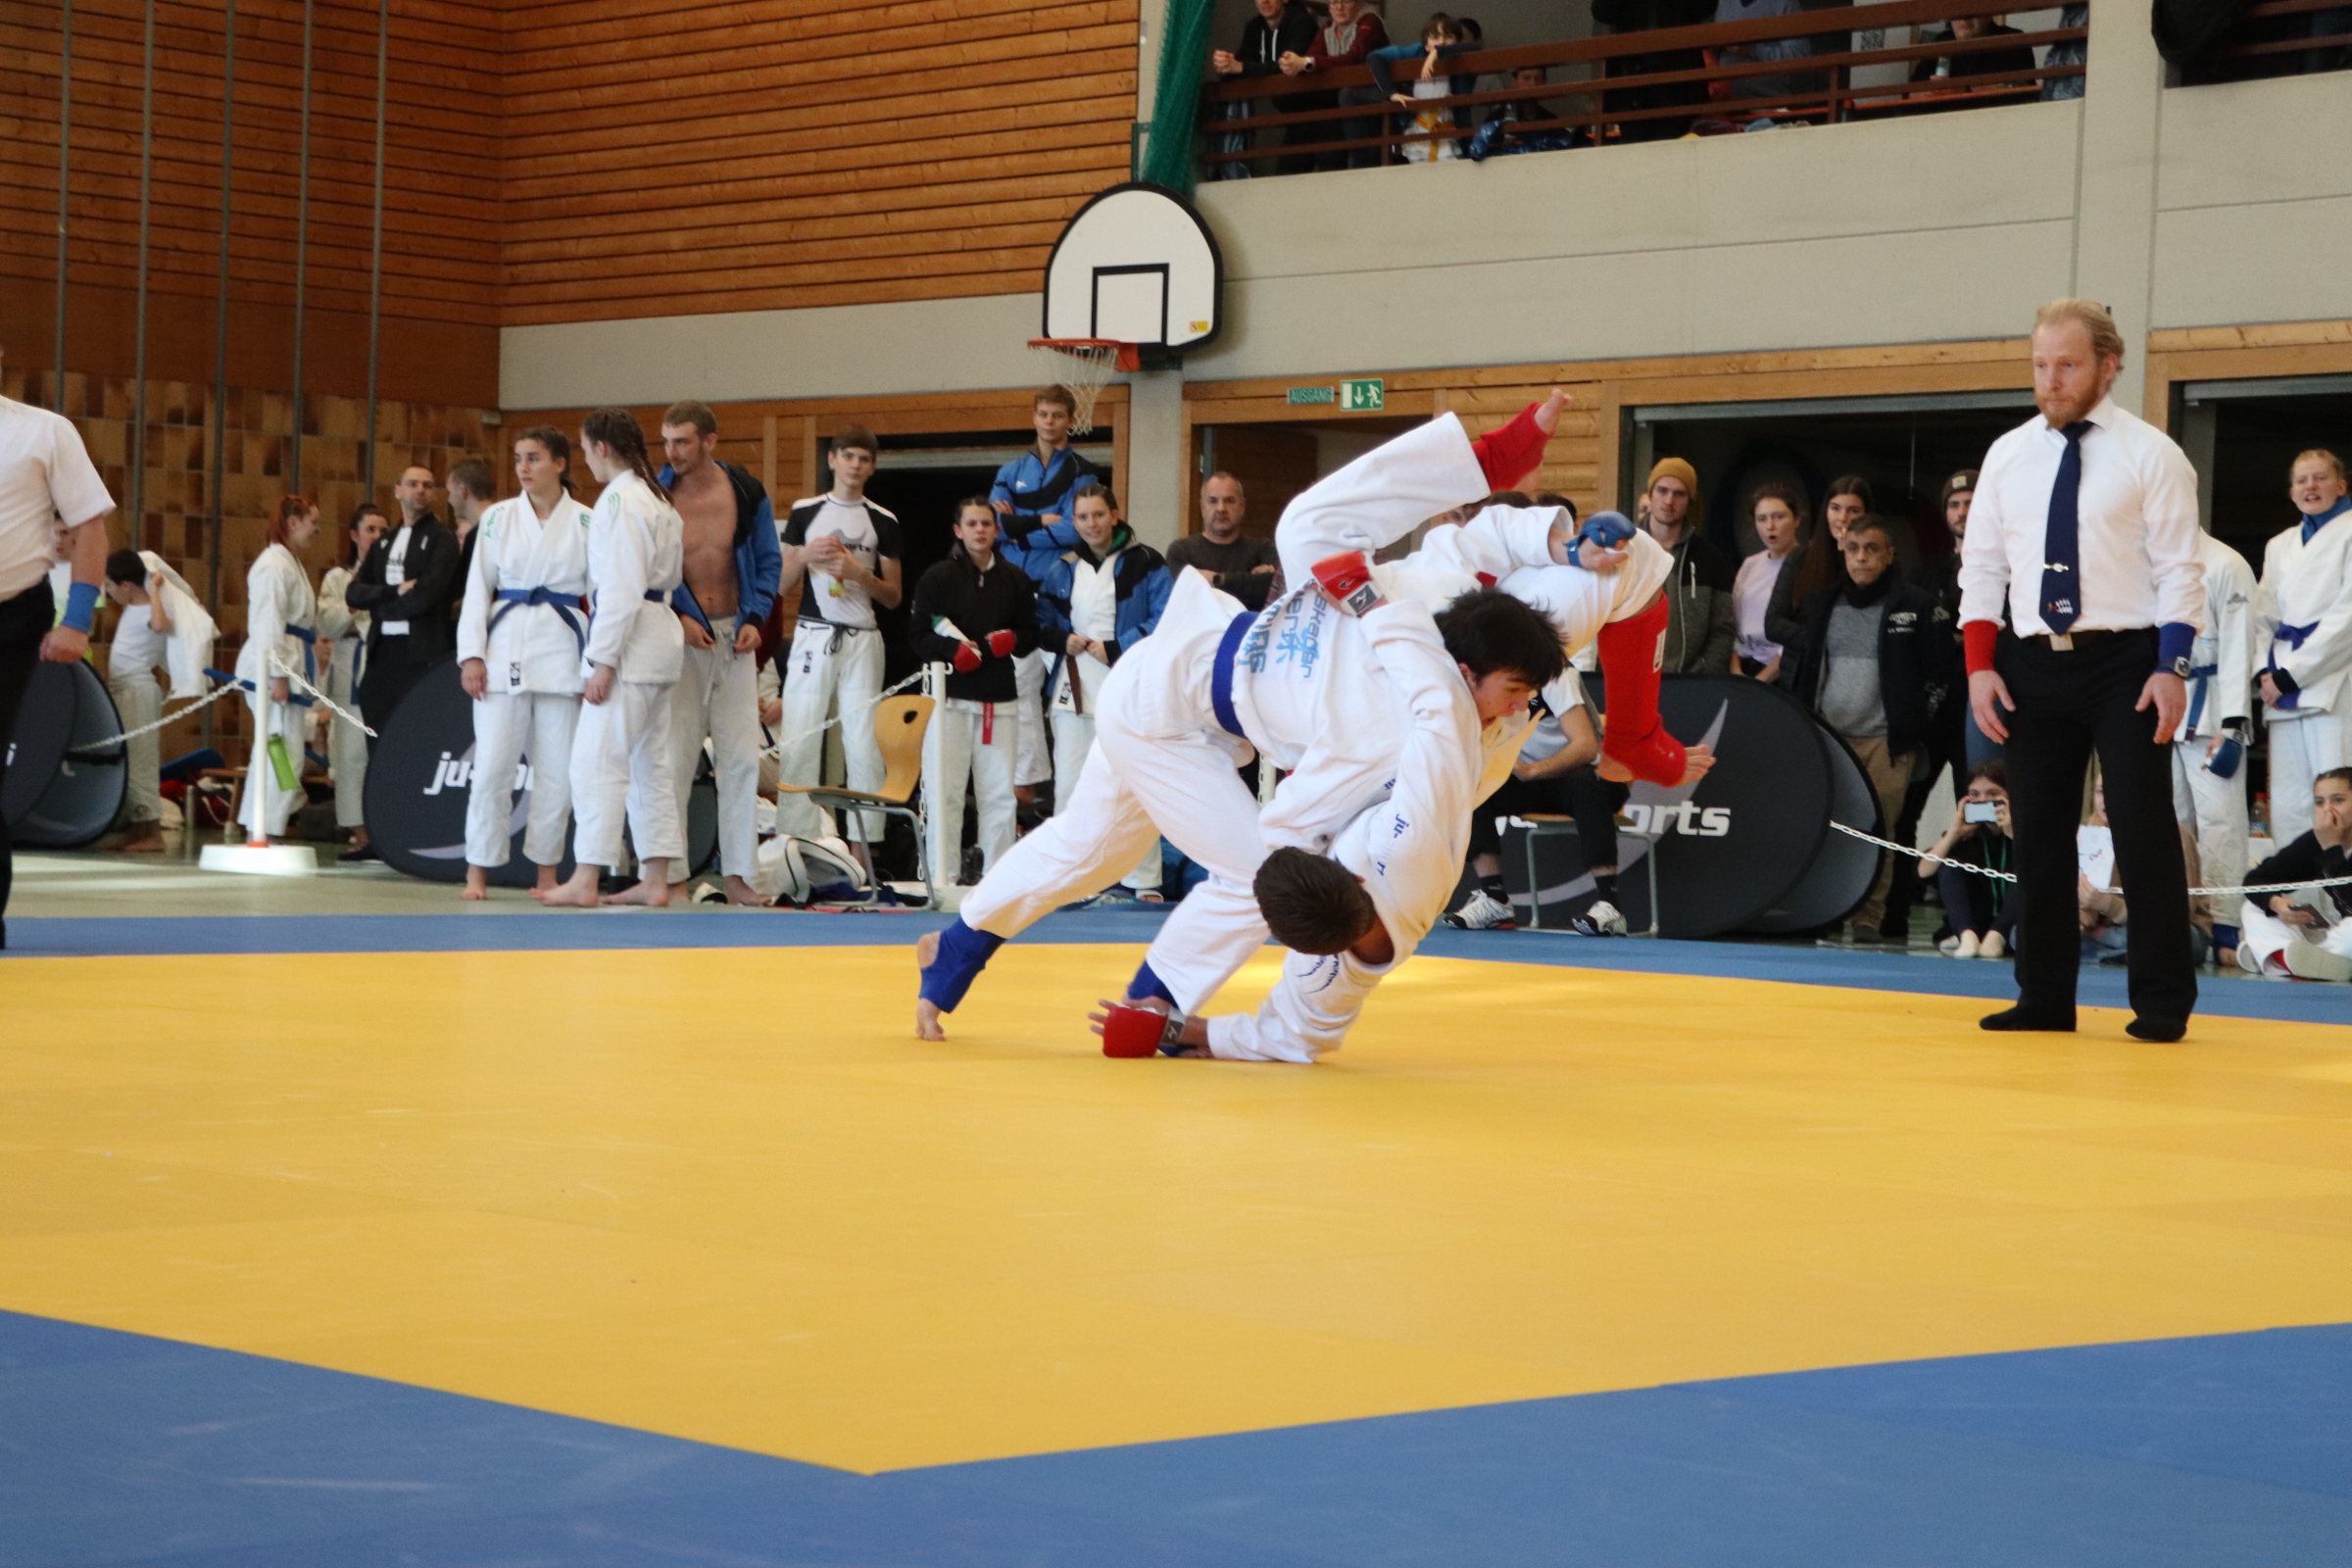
(733, 562)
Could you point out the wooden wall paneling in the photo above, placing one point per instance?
(2239, 353)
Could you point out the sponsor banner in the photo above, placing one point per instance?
(1735, 849)
(421, 775)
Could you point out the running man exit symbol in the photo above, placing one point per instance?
(1368, 396)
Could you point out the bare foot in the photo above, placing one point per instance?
(149, 842)
(548, 880)
(650, 893)
(477, 884)
(741, 891)
(926, 1011)
(578, 893)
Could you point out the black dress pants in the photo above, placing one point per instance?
(389, 677)
(1581, 793)
(2069, 705)
(24, 621)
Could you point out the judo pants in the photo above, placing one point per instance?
(621, 758)
(717, 695)
(2302, 747)
(266, 809)
(347, 744)
(979, 741)
(1073, 741)
(830, 664)
(1032, 765)
(2261, 936)
(506, 729)
(2214, 811)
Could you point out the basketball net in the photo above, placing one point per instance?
(1084, 364)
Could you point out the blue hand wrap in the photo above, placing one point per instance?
(1147, 984)
(1609, 530)
(962, 954)
(82, 606)
(2226, 756)
(2175, 641)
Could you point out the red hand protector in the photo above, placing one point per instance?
(1348, 579)
(1139, 1031)
(1000, 643)
(967, 658)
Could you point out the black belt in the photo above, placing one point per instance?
(2062, 642)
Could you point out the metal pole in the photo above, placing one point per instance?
(64, 175)
(376, 245)
(218, 458)
(302, 242)
(138, 414)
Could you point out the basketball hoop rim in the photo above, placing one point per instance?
(1125, 359)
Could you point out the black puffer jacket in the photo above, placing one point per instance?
(976, 603)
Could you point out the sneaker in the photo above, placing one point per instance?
(1965, 945)
(1606, 917)
(2307, 960)
(1483, 911)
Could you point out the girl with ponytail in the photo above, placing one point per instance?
(620, 760)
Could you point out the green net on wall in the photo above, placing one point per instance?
(1167, 153)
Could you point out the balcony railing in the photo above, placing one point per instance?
(1629, 98)
(2277, 38)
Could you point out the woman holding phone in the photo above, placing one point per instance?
(1980, 908)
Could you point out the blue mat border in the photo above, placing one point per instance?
(628, 930)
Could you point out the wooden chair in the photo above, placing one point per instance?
(899, 726)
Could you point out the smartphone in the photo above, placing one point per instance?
(1979, 811)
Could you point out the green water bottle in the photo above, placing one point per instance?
(281, 766)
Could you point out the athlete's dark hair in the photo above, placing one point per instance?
(689, 411)
(1992, 770)
(1312, 905)
(1489, 630)
(1058, 395)
(556, 447)
(858, 437)
(965, 504)
(1093, 487)
(1505, 498)
(1872, 522)
(1552, 498)
(366, 508)
(125, 566)
(2344, 773)
(619, 433)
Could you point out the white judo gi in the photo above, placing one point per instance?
(717, 695)
(1409, 851)
(835, 660)
(621, 751)
(1300, 684)
(2220, 691)
(2304, 627)
(184, 647)
(344, 629)
(523, 617)
(280, 616)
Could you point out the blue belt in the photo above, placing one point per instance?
(2203, 675)
(2293, 637)
(296, 699)
(1220, 678)
(562, 604)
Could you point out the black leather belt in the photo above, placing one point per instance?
(2063, 642)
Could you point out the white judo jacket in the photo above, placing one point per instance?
(2304, 614)
(2222, 688)
(527, 647)
(636, 560)
(1409, 851)
(277, 596)
(188, 647)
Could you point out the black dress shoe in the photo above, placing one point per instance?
(2163, 1031)
(2021, 1019)
(357, 853)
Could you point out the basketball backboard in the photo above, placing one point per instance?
(1136, 264)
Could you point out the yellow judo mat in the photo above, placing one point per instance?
(725, 1195)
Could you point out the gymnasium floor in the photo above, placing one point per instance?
(340, 1225)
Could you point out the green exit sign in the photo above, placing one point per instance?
(1367, 396)
(1304, 396)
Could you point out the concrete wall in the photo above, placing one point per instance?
(2254, 203)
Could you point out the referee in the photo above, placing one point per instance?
(46, 483)
(2085, 519)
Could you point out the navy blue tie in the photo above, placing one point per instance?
(2061, 555)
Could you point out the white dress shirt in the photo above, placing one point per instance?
(2135, 534)
(46, 480)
